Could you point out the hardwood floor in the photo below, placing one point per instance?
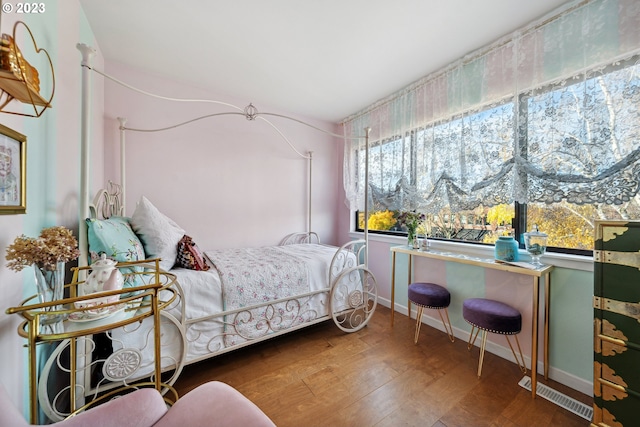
(321, 376)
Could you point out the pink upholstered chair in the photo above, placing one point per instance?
(210, 404)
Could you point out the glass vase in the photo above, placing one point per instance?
(50, 285)
(535, 242)
(411, 237)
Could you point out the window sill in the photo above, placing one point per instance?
(574, 262)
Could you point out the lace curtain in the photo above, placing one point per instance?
(545, 114)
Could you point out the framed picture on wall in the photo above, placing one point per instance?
(13, 172)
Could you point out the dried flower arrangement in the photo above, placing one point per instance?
(55, 244)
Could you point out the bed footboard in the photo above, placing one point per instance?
(354, 290)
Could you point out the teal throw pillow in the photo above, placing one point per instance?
(115, 238)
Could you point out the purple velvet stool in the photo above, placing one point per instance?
(430, 295)
(496, 317)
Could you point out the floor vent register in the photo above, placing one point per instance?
(559, 399)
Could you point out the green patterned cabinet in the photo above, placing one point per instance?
(616, 302)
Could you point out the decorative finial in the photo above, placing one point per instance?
(87, 53)
(250, 112)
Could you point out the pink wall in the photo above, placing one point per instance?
(227, 181)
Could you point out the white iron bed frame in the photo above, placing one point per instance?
(349, 264)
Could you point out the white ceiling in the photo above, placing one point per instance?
(323, 59)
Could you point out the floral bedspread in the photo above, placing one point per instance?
(251, 276)
(257, 275)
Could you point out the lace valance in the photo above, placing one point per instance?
(547, 114)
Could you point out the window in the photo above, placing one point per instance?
(569, 152)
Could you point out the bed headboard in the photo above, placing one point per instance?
(107, 202)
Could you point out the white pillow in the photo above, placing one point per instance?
(159, 234)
